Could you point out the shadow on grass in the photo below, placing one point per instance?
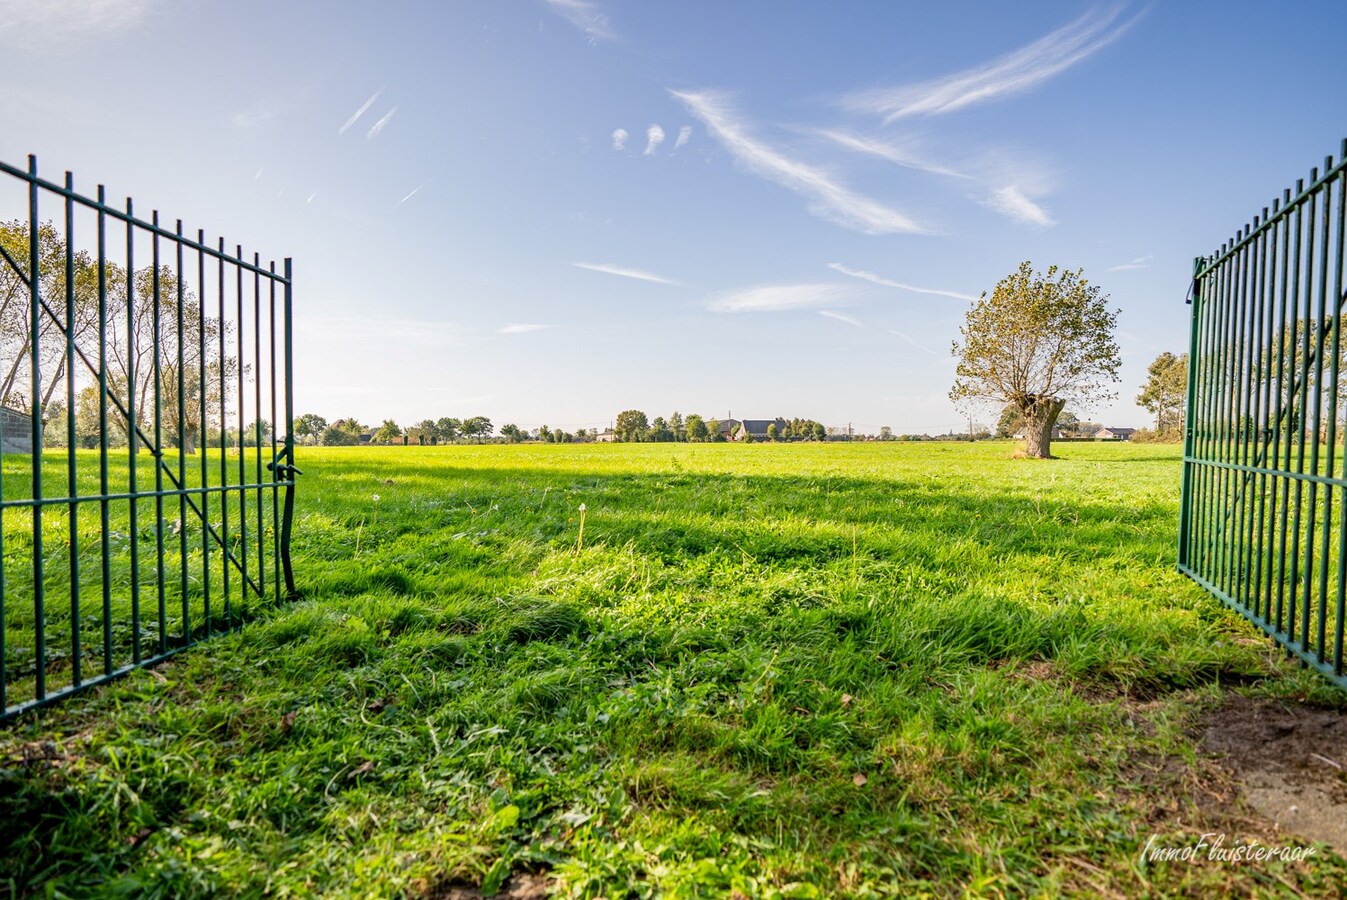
(802, 667)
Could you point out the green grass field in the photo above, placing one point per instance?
(783, 670)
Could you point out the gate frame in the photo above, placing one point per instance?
(281, 466)
(1203, 456)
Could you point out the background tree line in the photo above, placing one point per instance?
(311, 428)
(153, 343)
(632, 426)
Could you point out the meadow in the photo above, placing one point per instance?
(779, 670)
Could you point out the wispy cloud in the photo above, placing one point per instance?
(841, 317)
(64, 19)
(898, 155)
(876, 279)
(1141, 262)
(828, 198)
(261, 112)
(258, 175)
(620, 136)
(1013, 73)
(1011, 202)
(311, 197)
(625, 272)
(920, 347)
(364, 108)
(654, 136)
(778, 297)
(379, 125)
(523, 328)
(410, 195)
(585, 16)
(684, 135)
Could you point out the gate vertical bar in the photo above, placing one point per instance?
(35, 417)
(72, 475)
(1308, 553)
(291, 471)
(1321, 592)
(243, 470)
(277, 472)
(132, 434)
(104, 481)
(257, 419)
(1258, 521)
(158, 452)
(203, 436)
(1340, 606)
(180, 301)
(1282, 433)
(224, 453)
(1189, 416)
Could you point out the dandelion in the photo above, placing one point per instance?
(376, 498)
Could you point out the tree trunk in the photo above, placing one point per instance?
(1040, 414)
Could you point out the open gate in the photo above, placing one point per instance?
(1263, 524)
(146, 474)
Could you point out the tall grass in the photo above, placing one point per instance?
(787, 671)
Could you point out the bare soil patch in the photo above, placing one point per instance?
(1290, 761)
(523, 886)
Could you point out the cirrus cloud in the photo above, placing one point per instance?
(779, 297)
(828, 198)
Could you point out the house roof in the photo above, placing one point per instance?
(760, 426)
(1119, 430)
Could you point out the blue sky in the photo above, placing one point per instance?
(548, 211)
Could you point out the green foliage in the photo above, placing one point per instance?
(447, 429)
(1039, 341)
(659, 431)
(478, 427)
(15, 320)
(1165, 392)
(631, 426)
(342, 433)
(388, 433)
(422, 433)
(166, 327)
(310, 427)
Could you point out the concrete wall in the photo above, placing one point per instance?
(16, 431)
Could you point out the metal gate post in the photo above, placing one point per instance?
(1190, 412)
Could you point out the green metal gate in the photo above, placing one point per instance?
(146, 485)
(1263, 524)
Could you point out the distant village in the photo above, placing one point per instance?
(632, 426)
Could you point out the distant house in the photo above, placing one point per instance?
(607, 436)
(1115, 434)
(728, 428)
(757, 429)
(16, 431)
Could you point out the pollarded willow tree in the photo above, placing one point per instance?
(1039, 341)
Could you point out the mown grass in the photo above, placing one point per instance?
(787, 671)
